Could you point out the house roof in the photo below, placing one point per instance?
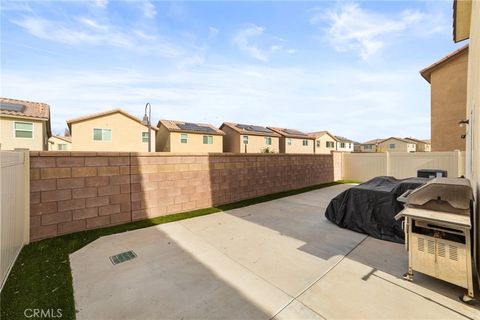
(23, 108)
(190, 127)
(374, 141)
(106, 113)
(291, 133)
(426, 72)
(64, 138)
(342, 139)
(417, 140)
(248, 129)
(318, 134)
(396, 138)
(26, 109)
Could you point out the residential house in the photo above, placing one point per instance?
(113, 130)
(294, 141)
(448, 83)
(394, 144)
(24, 125)
(325, 142)
(60, 143)
(370, 146)
(466, 25)
(178, 136)
(422, 145)
(244, 138)
(344, 144)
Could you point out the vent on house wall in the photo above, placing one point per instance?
(122, 257)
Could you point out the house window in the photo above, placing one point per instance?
(342, 145)
(367, 147)
(289, 141)
(245, 139)
(207, 139)
(62, 147)
(305, 142)
(102, 134)
(183, 138)
(391, 145)
(349, 146)
(268, 140)
(330, 144)
(318, 144)
(23, 129)
(144, 136)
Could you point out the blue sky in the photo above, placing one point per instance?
(348, 67)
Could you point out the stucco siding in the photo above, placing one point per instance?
(126, 134)
(400, 146)
(8, 141)
(296, 146)
(448, 104)
(195, 143)
(321, 148)
(54, 142)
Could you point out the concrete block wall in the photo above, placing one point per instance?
(76, 191)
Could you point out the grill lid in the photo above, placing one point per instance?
(440, 192)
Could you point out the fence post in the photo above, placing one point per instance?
(26, 194)
(457, 160)
(387, 159)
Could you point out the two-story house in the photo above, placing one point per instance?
(325, 142)
(24, 125)
(178, 136)
(294, 141)
(113, 130)
(344, 144)
(394, 144)
(245, 138)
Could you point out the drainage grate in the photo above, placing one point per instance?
(122, 257)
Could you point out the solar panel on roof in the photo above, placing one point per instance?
(12, 107)
(195, 127)
(292, 131)
(253, 128)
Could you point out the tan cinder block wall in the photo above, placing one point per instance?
(9, 142)
(75, 191)
(126, 134)
(448, 104)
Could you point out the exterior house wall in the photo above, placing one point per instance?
(321, 144)
(162, 140)
(75, 191)
(126, 134)
(53, 143)
(364, 148)
(347, 148)
(296, 145)
(400, 146)
(233, 142)
(195, 143)
(448, 104)
(8, 141)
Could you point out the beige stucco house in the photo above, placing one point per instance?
(60, 143)
(244, 138)
(344, 144)
(370, 146)
(421, 145)
(178, 136)
(394, 144)
(325, 142)
(448, 94)
(24, 125)
(294, 141)
(113, 130)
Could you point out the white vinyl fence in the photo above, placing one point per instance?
(364, 166)
(15, 208)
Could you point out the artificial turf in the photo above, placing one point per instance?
(41, 276)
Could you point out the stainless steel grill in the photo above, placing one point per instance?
(437, 231)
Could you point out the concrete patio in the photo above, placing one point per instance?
(276, 260)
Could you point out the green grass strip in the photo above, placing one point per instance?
(41, 276)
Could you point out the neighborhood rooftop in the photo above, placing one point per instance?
(190, 127)
(249, 129)
(291, 133)
(23, 108)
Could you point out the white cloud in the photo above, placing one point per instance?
(101, 3)
(352, 28)
(301, 98)
(149, 9)
(245, 41)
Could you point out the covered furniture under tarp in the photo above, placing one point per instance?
(371, 207)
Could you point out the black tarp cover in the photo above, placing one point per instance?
(371, 206)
